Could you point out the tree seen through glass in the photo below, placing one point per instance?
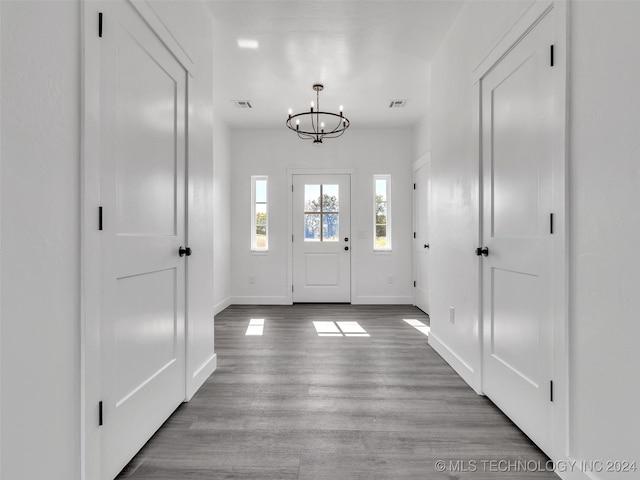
(381, 214)
(321, 217)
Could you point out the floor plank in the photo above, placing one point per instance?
(292, 405)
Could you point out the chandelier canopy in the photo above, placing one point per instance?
(315, 124)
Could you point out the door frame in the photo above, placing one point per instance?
(291, 171)
(423, 161)
(560, 204)
(90, 371)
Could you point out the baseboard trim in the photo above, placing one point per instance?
(221, 305)
(200, 376)
(382, 300)
(461, 367)
(267, 300)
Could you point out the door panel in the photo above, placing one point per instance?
(145, 329)
(517, 100)
(322, 269)
(146, 203)
(421, 243)
(142, 104)
(321, 238)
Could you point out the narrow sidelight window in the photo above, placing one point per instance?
(382, 212)
(259, 215)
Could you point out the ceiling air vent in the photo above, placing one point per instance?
(243, 103)
(397, 103)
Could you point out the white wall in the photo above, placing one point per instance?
(422, 129)
(453, 275)
(604, 230)
(40, 232)
(604, 224)
(40, 237)
(270, 152)
(221, 215)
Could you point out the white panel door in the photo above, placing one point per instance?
(143, 95)
(322, 238)
(517, 120)
(421, 242)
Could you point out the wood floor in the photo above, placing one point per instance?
(293, 405)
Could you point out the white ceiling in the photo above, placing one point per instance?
(365, 52)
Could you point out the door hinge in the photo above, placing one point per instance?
(292, 187)
(292, 238)
(99, 218)
(291, 288)
(100, 413)
(551, 390)
(100, 24)
(414, 234)
(551, 223)
(414, 283)
(551, 55)
(414, 186)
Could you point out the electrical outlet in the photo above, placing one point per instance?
(252, 279)
(389, 278)
(362, 234)
(452, 315)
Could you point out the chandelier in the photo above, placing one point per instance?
(315, 124)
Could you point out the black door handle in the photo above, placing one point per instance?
(482, 251)
(346, 239)
(346, 248)
(184, 251)
(426, 245)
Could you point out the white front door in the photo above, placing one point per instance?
(517, 120)
(322, 238)
(421, 242)
(143, 98)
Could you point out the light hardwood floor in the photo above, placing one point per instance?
(292, 405)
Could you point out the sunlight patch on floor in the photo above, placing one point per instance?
(418, 325)
(256, 326)
(339, 329)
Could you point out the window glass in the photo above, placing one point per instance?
(382, 212)
(259, 214)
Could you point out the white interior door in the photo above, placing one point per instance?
(421, 242)
(143, 95)
(322, 238)
(517, 120)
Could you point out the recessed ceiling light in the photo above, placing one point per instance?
(248, 43)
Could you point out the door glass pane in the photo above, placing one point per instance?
(312, 198)
(311, 227)
(330, 227)
(330, 198)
